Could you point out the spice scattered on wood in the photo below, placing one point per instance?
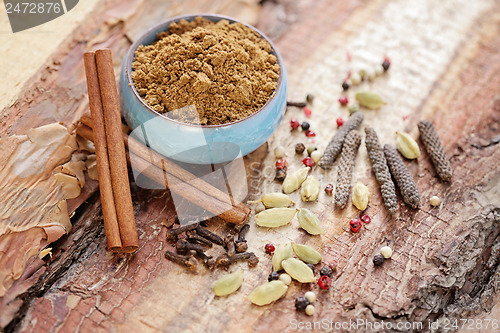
(310, 98)
(311, 296)
(307, 112)
(299, 148)
(189, 65)
(381, 170)
(280, 175)
(434, 201)
(365, 218)
(298, 270)
(301, 303)
(345, 168)
(305, 125)
(273, 276)
(343, 100)
(294, 123)
(326, 270)
(207, 260)
(188, 261)
(214, 238)
(229, 283)
(329, 189)
(378, 260)
(386, 252)
(309, 222)
(308, 161)
(225, 261)
(404, 179)
(268, 293)
(335, 145)
(310, 310)
(193, 237)
(285, 278)
(355, 225)
(369, 100)
(279, 152)
(241, 244)
(407, 146)
(433, 145)
(275, 200)
(296, 104)
(360, 196)
(307, 254)
(310, 188)
(183, 246)
(275, 217)
(173, 233)
(316, 156)
(324, 282)
(229, 245)
(293, 181)
(269, 248)
(283, 251)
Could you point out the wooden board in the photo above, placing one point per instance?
(445, 60)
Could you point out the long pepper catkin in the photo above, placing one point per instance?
(335, 145)
(381, 170)
(433, 146)
(404, 180)
(345, 168)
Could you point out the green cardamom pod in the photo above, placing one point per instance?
(360, 196)
(229, 283)
(293, 181)
(275, 217)
(407, 146)
(309, 222)
(369, 100)
(306, 253)
(268, 293)
(298, 270)
(282, 252)
(310, 189)
(275, 200)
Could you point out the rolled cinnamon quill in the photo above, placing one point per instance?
(105, 113)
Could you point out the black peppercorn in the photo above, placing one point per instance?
(301, 303)
(386, 65)
(280, 174)
(345, 85)
(273, 276)
(305, 125)
(311, 266)
(310, 98)
(299, 148)
(326, 271)
(378, 260)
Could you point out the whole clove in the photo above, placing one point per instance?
(345, 168)
(188, 261)
(381, 170)
(430, 139)
(183, 247)
(225, 261)
(334, 147)
(229, 245)
(173, 233)
(404, 180)
(241, 243)
(214, 238)
(207, 260)
(296, 104)
(193, 237)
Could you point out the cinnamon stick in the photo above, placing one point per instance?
(181, 181)
(116, 151)
(101, 151)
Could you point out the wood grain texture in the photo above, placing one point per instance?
(445, 60)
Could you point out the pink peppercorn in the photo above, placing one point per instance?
(343, 100)
(340, 122)
(307, 112)
(355, 225)
(308, 161)
(329, 189)
(309, 133)
(281, 164)
(324, 282)
(365, 218)
(294, 123)
(269, 248)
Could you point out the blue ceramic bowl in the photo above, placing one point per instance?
(198, 144)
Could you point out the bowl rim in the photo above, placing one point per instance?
(131, 53)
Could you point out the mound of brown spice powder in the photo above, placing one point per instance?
(224, 69)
